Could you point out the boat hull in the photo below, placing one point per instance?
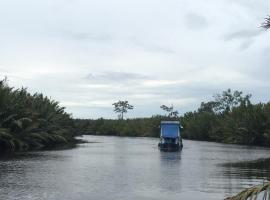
(169, 147)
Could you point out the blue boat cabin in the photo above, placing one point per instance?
(170, 136)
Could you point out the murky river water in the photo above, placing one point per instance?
(133, 168)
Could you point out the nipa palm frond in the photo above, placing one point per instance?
(253, 193)
(266, 24)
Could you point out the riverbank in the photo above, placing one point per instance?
(7, 153)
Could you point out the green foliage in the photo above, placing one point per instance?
(226, 101)
(138, 127)
(230, 118)
(31, 121)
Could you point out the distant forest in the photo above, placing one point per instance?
(229, 118)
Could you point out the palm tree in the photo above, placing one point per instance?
(31, 121)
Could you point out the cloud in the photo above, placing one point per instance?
(88, 54)
(159, 83)
(158, 48)
(246, 44)
(245, 37)
(153, 47)
(100, 37)
(90, 104)
(242, 34)
(114, 77)
(196, 22)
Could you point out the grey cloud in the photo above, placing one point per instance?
(114, 77)
(196, 89)
(266, 51)
(242, 34)
(151, 46)
(246, 44)
(103, 37)
(3, 70)
(89, 36)
(62, 37)
(262, 70)
(196, 22)
(246, 37)
(157, 48)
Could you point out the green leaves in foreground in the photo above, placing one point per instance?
(31, 121)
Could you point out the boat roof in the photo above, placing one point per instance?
(170, 122)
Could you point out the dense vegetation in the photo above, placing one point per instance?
(138, 127)
(229, 118)
(31, 121)
(35, 121)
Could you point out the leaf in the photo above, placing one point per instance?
(9, 118)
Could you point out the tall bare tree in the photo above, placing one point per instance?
(122, 107)
(170, 110)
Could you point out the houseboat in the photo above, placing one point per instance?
(170, 136)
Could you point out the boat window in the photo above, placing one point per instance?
(169, 130)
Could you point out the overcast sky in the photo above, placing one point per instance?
(87, 54)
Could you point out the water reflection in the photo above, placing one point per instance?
(256, 169)
(169, 172)
(170, 156)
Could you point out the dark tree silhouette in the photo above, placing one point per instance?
(266, 24)
(228, 99)
(171, 112)
(122, 107)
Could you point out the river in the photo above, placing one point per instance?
(125, 168)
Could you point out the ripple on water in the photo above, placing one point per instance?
(133, 168)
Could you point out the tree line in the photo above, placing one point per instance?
(35, 121)
(137, 127)
(229, 117)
